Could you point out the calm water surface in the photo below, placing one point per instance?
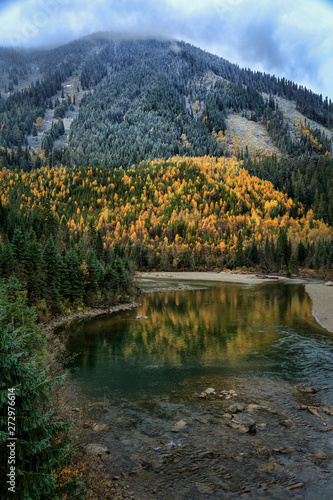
(257, 340)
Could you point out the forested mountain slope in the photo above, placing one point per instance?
(164, 214)
(102, 58)
(147, 99)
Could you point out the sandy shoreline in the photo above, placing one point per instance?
(322, 303)
(223, 277)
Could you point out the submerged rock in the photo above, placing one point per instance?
(287, 423)
(307, 388)
(179, 426)
(261, 426)
(236, 408)
(243, 423)
(208, 392)
(96, 449)
(100, 427)
(270, 467)
(284, 451)
(141, 317)
(295, 486)
(204, 489)
(321, 456)
(228, 394)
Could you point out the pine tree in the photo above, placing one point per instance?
(96, 272)
(301, 253)
(33, 251)
(72, 281)
(52, 264)
(283, 249)
(293, 264)
(239, 257)
(43, 447)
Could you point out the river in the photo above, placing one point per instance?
(256, 340)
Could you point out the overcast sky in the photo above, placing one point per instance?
(291, 38)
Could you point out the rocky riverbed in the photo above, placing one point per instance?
(254, 438)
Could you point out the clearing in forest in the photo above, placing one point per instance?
(242, 132)
(294, 117)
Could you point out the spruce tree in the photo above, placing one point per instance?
(72, 282)
(42, 447)
(52, 264)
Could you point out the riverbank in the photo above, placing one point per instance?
(86, 314)
(69, 405)
(322, 303)
(223, 276)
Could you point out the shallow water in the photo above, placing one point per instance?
(257, 340)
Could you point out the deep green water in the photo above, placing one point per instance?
(259, 341)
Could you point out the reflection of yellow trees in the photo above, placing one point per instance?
(224, 323)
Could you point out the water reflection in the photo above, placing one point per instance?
(225, 329)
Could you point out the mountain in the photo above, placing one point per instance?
(106, 102)
(109, 101)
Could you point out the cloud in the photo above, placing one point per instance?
(291, 39)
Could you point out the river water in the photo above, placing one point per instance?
(259, 341)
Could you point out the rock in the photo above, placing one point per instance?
(243, 423)
(252, 407)
(270, 467)
(100, 427)
(321, 456)
(236, 408)
(287, 423)
(76, 409)
(295, 486)
(96, 449)
(208, 392)
(141, 317)
(227, 415)
(179, 426)
(204, 489)
(329, 283)
(307, 388)
(185, 287)
(228, 394)
(261, 426)
(290, 449)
